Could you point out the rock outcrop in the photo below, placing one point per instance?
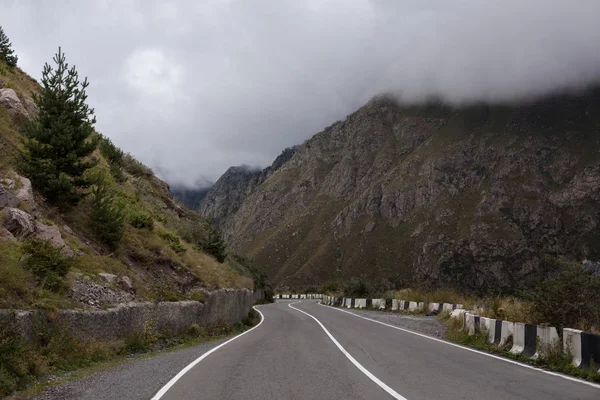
(21, 224)
(52, 234)
(474, 197)
(11, 101)
(18, 222)
(7, 199)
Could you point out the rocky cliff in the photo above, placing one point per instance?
(473, 197)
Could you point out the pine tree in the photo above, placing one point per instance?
(108, 213)
(58, 141)
(215, 245)
(6, 52)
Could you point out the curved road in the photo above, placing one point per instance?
(303, 350)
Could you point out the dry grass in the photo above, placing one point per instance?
(435, 296)
(507, 308)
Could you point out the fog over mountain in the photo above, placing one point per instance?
(191, 87)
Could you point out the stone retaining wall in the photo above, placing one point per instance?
(226, 306)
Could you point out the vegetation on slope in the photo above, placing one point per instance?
(110, 210)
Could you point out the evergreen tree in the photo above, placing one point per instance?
(6, 52)
(215, 245)
(108, 213)
(58, 141)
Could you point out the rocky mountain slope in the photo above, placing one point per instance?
(160, 256)
(476, 197)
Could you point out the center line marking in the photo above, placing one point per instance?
(362, 369)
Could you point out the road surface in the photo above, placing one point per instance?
(303, 350)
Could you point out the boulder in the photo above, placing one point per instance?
(51, 233)
(126, 283)
(9, 99)
(110, 278)
(25, 192)
(18, 222)
(6, 235)
(7, 199)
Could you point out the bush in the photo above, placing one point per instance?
(356, 288)
(251, 319)
(47, 263)
(174, 241)
(108, 213)
(15, 362)
(114, 156)
(136, 168)
(570, 299)
(329, 287)
(141, 220)
(141, 341)
(112, 153)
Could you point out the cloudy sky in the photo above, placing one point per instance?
(192, 87)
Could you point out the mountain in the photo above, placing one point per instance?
(159, 257)
(237, 183)
(190, 197)
(480, 197)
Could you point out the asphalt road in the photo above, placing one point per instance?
(291, 356)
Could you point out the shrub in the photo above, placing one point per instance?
(174, 241)
(570, 299)
(108, 213)
(114, 156)
(136, 168)
(329, 287)
(47, 263)
(15, 361)
(356, 288)
(141, 341)
(141, 220)
(196, 330)
(252, 318)
(112, 153)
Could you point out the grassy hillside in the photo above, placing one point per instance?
(159, 258)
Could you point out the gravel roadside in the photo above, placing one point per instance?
(427, 325)
(138, 378)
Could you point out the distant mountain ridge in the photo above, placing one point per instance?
(189, 197)
(476, 197)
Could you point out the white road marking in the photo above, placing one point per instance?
(362, 369)
(191, 365)
(508, 360)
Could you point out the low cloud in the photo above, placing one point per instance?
(191, 87)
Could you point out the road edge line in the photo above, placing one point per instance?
(508, 360)
(191, 365)
(362, 369)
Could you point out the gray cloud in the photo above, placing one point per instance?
(192, 87)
